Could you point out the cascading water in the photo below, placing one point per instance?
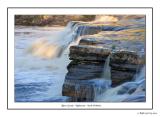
(40, 73)
(127, 92)
(107, 70)
(41, 59)
(54, 47)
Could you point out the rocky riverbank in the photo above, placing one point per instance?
(123, 44)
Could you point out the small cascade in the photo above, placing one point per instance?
(129, 91)
(107, 70)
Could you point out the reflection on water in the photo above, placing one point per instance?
(36, 78)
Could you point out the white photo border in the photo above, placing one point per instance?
(12, 105)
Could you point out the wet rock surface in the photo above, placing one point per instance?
(124, 66)
(84, 90)
(126, 47)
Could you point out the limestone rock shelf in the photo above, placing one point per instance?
(124, 44)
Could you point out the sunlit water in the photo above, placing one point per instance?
(41, 59)
(38, 78)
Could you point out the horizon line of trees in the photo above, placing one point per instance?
(43, 20)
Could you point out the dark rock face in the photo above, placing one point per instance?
(84, 70)
(84, 78)
(124, 66)
(88, 53)
(84, 90)
(118, 77)
(126, 57)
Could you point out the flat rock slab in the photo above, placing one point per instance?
(84, 90)
(115, 45)
(88, 53)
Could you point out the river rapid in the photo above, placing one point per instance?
(38, 78)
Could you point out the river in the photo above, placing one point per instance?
(37, 78)
(41, 60)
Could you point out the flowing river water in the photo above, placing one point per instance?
(41, 59)
(38, 78)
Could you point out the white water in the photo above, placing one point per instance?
(49, 48)
(39, 75)
(41, 59)
(107, 70)
(127, 91)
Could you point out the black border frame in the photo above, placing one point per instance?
(79, 8)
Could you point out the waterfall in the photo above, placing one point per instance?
(107, 70)
(129, 91)
(54, 46)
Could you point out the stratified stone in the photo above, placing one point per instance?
(84, 90)
(119, 77)
(114, 45)
(126, 57)
(125, 67)
(84, 70)
(88, 53)
(91, 41)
